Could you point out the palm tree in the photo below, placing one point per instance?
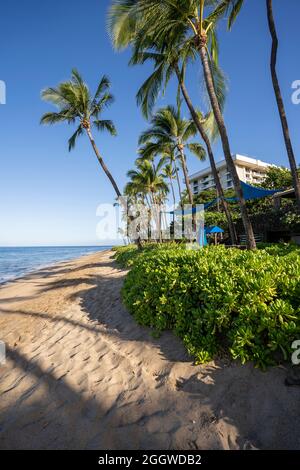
(181, 21)
(169, 130)
(147, 182)
(150, 150)
(169, 173)
(148, 179)
(235, 8)
(76, 105)
(166, 64)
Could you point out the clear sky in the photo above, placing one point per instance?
(48, 196)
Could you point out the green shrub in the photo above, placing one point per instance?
(127, 255)
(219, 299)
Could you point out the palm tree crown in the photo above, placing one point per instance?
(76, 105)
(146, 179)
(170, 131)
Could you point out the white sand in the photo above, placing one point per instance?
(81, 374)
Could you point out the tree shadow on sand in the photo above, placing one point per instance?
(51, 414)
(98, 303)
(262, 412)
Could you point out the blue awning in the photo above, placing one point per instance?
(253, 192)
(249, 192)
(214, 229)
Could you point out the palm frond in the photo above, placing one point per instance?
(98, 106)
(107, 125)
(121, 22)
(54, 118)
(103, 87)
(76, 77)
(72, 140)
(149, 91)
(197, 150)
(190, 130)
(54, 96)
(236, 8)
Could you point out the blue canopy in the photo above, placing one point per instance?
(249, 192)
(214, 229)
(253, 192)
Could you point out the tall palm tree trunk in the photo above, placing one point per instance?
(178, 184)
(206, 140)
(225, 143)
(174, 201)
(157, 215)
(185, 173)
(187, 182)
(173, 192)
(280, 104)
(104, 167)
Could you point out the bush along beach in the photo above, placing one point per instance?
(218, 300)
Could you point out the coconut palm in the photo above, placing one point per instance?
(170, 130)
(76, 105)
(169, 173)
(234, 10)
(186, 22)
(166, 64)
(150, 150)
(148, 179)
(147, 183)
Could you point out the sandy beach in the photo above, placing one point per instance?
(81, 374)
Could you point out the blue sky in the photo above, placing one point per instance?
(48, 196)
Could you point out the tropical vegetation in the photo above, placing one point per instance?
(218, 301)
(169, 26)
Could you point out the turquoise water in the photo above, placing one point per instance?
(16, 262)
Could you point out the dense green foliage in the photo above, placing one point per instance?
(246, 303)
(278, 178)
(126, 256)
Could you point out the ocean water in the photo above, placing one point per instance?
(17, 262)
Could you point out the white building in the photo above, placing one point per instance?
(250, 170)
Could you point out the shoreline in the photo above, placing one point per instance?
(40, 268)
(80, 373)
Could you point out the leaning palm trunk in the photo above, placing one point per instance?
(173, 192)
(178, 184)
(206, 140)
(187, 182)
(157, 215)
(104, 167)
(174, 201)
(251, 244)
(111, 179)
(280, 104)
(185, 173)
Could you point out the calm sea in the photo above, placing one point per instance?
(16, 262)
